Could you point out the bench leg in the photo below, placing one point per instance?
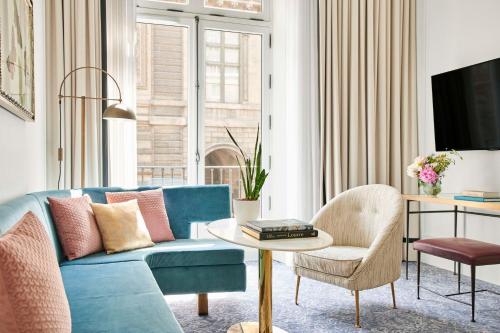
(473, 289)
(418, 274)
(459, 266)
(202, 304)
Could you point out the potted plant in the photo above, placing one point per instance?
(253, 177)
(429, 170)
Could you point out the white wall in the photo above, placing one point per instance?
(22, 144)
(453, 34)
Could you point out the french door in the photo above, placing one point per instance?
(196, 79)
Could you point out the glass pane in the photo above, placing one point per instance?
(162, 104)
(232, 93)
(231, 38)
(213, 74)
(212, 36)
(232, 56)
(238, 107)
(178, 2)
(250, 6)
(213, 54)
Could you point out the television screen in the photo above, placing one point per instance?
(466, 105)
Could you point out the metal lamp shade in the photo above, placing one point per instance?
(119, 111)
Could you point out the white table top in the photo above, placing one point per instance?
(230, 231)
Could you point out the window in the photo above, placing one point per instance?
(222, 66)
(181, 125)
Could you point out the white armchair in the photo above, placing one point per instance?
(367, 242)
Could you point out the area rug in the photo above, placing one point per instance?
(326, 308)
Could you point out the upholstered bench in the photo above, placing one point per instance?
(123, 292)
(462, 250)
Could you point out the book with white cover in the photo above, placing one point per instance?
(481, 194)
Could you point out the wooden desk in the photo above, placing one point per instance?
(444, 199)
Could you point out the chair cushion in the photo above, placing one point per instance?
(181, 252)
(32, 297)
(153, 210)
(464, 250)
(117, 297)
(122, 226)
(76, 226)
(334, 260)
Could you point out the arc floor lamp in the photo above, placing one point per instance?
(114, 111)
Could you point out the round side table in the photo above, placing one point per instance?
(230, 231)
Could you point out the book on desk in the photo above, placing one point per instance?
(478, 196)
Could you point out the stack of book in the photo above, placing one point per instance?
(480, 196)
(279, 229)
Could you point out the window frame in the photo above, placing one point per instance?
(198, 7)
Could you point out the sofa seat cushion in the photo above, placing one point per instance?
(334, 260)
(181, 252)
(116, 297)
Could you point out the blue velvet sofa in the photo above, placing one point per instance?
(123, 292)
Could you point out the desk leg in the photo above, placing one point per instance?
(407, 235)
(455, 226)
(265, 324)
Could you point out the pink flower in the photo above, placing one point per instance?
(428, 175)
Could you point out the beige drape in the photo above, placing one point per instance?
(78, 45)
(368, 115)
(122, 143)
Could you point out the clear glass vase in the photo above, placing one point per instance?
(431, 189)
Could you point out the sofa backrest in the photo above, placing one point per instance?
(185, 205)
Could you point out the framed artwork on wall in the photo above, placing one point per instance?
(16, 58)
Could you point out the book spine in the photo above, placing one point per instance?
(287, 228)
(485, 195)
(468, 198)
(288, 234)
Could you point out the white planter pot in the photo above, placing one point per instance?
(246, 210)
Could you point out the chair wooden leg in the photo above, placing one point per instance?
(393, 296)
(297, 290)
(356, 298)
(202, 304)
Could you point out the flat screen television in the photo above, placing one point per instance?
(466, 105)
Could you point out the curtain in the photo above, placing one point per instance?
(73, 40)
(120, 40)
(368, 116)
(295, 167)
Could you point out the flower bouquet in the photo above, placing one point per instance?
(429, 170)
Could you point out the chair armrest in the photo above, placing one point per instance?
(382, 263)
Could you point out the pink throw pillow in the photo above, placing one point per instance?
(32, 296)
(76, 226)
(153, 210)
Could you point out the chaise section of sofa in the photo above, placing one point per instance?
(123, 292)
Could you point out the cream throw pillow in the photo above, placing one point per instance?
(122, 226)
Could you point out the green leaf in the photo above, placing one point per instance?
(236, 143)
(255, 148)
(242, 178)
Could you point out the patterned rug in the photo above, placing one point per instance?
(326, 308)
